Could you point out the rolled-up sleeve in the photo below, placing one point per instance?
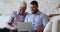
(45, 20)
(10, 18)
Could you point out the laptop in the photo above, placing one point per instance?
(24, 26)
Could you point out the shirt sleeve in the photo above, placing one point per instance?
(26, 18)
(45, 20)
(10, 17)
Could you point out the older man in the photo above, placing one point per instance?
(38, 19)
(17, 16)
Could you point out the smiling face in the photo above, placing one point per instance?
(22, 7)
(33, 8)
(22, 10)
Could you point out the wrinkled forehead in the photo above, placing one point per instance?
(22, 7)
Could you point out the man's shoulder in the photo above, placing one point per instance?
(29, 14)
(43, 14)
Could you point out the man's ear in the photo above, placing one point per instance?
(37, 6)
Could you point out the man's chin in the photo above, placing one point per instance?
(32, 11)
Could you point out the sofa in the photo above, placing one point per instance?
(53, 25)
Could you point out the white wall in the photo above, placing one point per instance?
(46, 6)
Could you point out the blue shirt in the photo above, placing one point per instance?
(38, 19)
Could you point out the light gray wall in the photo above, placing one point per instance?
(45, 6)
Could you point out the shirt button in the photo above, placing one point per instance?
(33, 24)
(33, 21)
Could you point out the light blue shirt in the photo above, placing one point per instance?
(38, 19)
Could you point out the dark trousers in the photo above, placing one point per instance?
(4, 30)
(13, 31)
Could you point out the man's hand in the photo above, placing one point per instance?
(40, 28)
(14, 28)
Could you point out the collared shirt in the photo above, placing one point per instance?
(14, 17)
(38, 19)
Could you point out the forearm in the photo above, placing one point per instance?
(8, 26)
(40, 28)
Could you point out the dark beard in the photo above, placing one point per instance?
(35, 11)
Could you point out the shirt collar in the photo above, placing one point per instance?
(38, 13)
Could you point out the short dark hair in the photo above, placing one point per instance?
(34, 2)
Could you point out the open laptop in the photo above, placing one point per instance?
(24, 26)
